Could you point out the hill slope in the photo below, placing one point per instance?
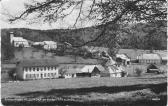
(137, 36)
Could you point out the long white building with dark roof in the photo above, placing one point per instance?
(47, 68)
(37, 69)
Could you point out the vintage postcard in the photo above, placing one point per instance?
(83, 52)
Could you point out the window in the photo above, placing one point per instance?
(48, 68)
(51, 68)
(30, 68)
(27, 75)
(37, 68)
(44, 74)
(48, 74)
(41, 68)
(33, 68)
(44, 68)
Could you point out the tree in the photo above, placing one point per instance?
(7, 48)
(106, 13)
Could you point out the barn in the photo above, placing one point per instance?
(79, 70)
(149, 58)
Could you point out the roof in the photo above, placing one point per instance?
(114, 69)
(149, 56)
(38, 43)
(122, 56)
(71, 68)
(133, 53)
(19, 39)
(162, 53)
(77, 68)
(49, 42)
(53, 62)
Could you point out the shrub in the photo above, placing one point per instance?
(138, 71)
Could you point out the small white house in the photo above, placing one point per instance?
(115, 71)
(18, 41)
(50, 45)
(37, 69)
(125, 58)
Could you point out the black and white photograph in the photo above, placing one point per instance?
(83, 52)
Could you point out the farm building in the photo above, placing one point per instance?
(18, 41)
(49, 45)
(125, 59)
(80, 70)
(113, 71)
(149, 58)
(37, 69)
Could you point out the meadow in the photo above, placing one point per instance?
(146, 90)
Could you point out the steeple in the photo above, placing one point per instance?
(11, 37)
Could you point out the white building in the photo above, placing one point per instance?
(125, 59)
(18, 41)
(37, 69)
(115, 71)
(50, 45)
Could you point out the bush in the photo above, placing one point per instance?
(138, 71)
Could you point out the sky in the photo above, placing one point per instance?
(15, 7)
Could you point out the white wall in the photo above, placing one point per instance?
(41, 73)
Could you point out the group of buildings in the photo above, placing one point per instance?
(52, 68)
(21, 42)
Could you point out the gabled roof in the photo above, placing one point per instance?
(19, 39)
(149, 56)
(71, 68)
(77, 68)
(49, 42)
(133, 53)
(123, 56)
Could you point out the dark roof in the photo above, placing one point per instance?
(54, 62)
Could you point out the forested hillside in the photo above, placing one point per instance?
(135, 36)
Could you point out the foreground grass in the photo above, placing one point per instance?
(88, 91)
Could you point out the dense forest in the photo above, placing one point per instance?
(151, 35)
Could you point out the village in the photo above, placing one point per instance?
(46, 60)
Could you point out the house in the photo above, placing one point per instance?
(50, 45)
(113, 71)
(125, 59)
(37, 69)
(149, 58)
(18, 41)
(79, 70)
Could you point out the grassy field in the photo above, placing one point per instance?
(146, 89)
